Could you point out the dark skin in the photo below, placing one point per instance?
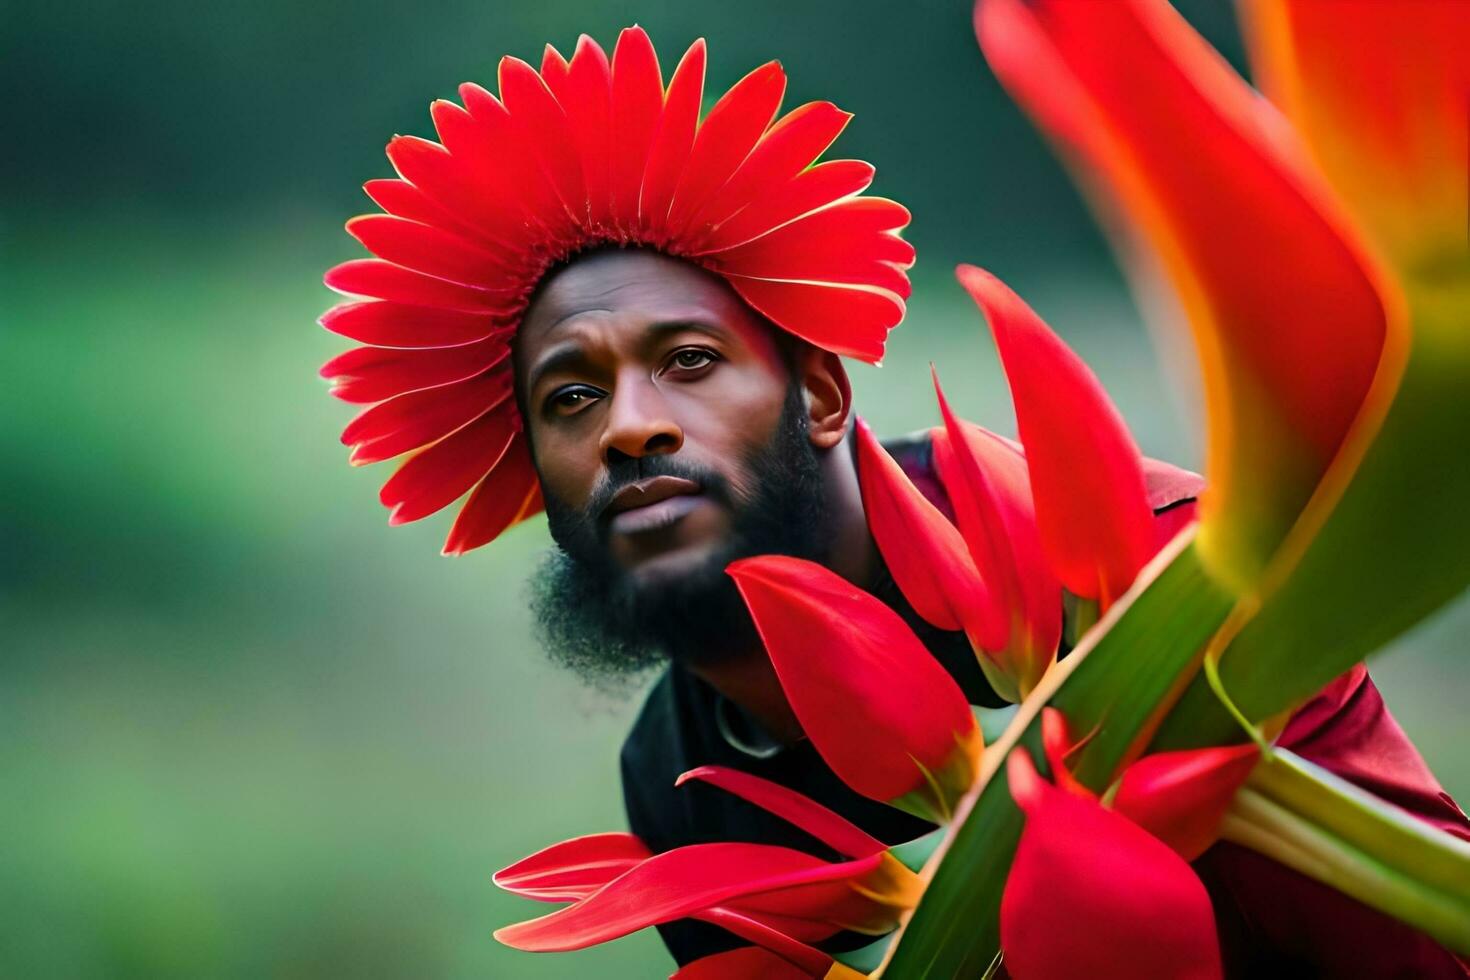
(631, 353)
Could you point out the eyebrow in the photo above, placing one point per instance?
(570, 354)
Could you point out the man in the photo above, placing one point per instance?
(644, 337)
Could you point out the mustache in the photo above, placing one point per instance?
(624, 472)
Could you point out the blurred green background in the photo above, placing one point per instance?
(247, 730)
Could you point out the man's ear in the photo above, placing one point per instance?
(828, 396)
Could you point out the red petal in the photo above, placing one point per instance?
(421, 417)
(637, 101)
(370, 374)
(990, 489)
(543, 128)
(848, 320)
(384, 280)
(725, 138)
(1092, 895)
(808, 191)
(554, 68)
(796, 809)
(1086, 471)
(674, 138)
(586, 96)
(872, 699)
(676, 884)
(384, 324)
(572, 869)
(509, 494)
(745, 963)
(461, 183)
(1181, 797)
(436, 477)
(430, 250)
(786, 149)
(402, 199)
(923, 550)
(1057, 743)
(1282, 300)
(809, 961)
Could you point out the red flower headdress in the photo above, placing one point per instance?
(586, 153)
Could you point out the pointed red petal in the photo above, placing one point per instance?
(786, 149)
(384, 280)
(1181, 797)
(1057, 743)
(586, 96)
(990, 489)
(507, 495)
(808, 191)
(436, 477)
(1086, 471)
(637, 101)
(679, 883)
(672, 141)
(430, 250)
(829, 828)
(544, 129)
(421, 417)
(370, 374)
(924, 552)
(554, 68)
(868, 694)
(1092, 895)
(402, 199)
(384, 324)
(849, 320)
(572, 869)
(745, 963)
(461, 182)
(807, 960)
(725, 139)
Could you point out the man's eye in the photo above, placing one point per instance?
(692, 358)
(568, 401)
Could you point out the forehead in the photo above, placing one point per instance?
(633, 288)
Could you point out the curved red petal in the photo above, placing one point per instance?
(810, 190)
(543, 129)
(1086, 471)
(572, 869)
(507, 495)
(848, 320)
(554, 68)
(402, 199)
(437, 476)
(1091, 895)
(418, 418)
(637, 102)
(809, 961)
(1057, 743)
(387, 324)
(1181, 797)
(586, 96)
(672, 141)
(459, 184)
(786, 149)
(745, 963)
(868, 694)
(836, 832)
(432, 251)
(990, 489)
(371, 374)
(725, 139)
(923, 551)
(1282, 299)
(384, 280)
(676, 884)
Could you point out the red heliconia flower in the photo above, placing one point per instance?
(878, 707)
(573, 869)
(586, 152)
(1091, 894)
(1091, 498)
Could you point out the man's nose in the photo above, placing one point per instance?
(639, 423)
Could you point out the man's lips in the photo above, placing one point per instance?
(652, 504)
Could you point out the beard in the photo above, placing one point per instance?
(594, 618)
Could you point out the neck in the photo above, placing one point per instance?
(748, 678)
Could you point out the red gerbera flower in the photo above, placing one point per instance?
(585, 153)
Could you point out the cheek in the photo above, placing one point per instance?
(568, 470)
(732, 419)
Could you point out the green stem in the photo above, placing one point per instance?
(1313, 822)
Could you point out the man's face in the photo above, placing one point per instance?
(669, 437)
